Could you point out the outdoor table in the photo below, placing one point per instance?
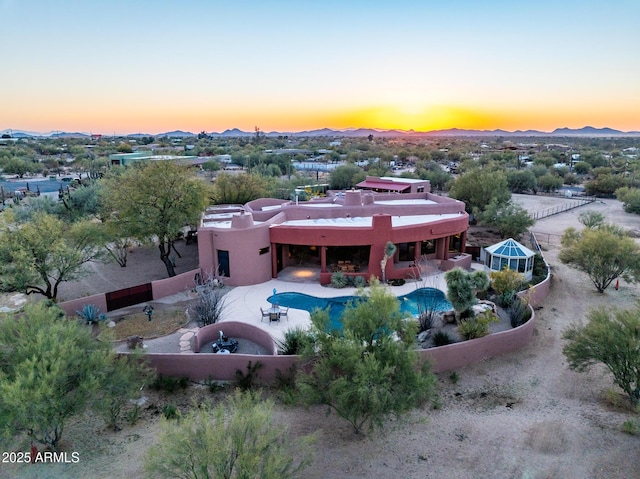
(274, 313)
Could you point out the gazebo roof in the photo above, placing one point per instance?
(510, 248)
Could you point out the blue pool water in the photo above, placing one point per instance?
(409, 303)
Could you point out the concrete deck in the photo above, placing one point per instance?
(244, 302)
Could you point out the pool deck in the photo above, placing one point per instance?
(243, 302)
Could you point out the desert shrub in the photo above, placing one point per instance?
(248, 380)
(295, 341)
(213, 385)
(132, 415)
(519, 312)
(467, 314)
(478, 326)
(371, 370)
(360, 282)
(425, 320)
(170, 411)
(236, 439)
(630, 198)
(506, 299)
(209, 307)
(610, 337)
(506, 280)
(442, 338)
(90, 313)
(285, 383)
(338, 280)
(631, 427)
(169, 384)
(539, 272)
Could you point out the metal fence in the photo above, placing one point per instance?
(569, 205)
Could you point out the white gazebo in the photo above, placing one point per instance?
(509, 254)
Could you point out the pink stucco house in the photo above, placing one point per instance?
(345, 231)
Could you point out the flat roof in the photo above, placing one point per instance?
(366, 222)
(398, 179)
(406, 202)
(383, 185)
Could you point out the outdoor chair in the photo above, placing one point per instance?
(265, 314)
(284, 313)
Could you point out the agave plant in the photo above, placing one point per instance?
(91, 313)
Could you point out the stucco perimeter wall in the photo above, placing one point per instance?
(219, 367)
(222, 367)
(457, 355)
(538, 293)
(70, 307)
(234, 329)
(176, 284)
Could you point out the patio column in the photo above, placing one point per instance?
(323, 259)
(416, 252)
(463, 241)
(442, 248)
(274, 261)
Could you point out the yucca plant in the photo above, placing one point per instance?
(91, 314)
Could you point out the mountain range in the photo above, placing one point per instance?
(587, 131)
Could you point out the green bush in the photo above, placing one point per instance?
(442, 338)
(519, 312)
(248, 380)
(170, 411)
(169, 384)
(338, 280)
(476, 327)
(132, 415)
(539, 273)
(295, 341)
(506, 299)
(360, 282)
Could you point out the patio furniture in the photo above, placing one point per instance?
(274, 313)
(265, 314)
(285, 313)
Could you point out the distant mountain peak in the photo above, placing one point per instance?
(356, 132)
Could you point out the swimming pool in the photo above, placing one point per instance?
(411, 303)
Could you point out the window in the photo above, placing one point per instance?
(264, 250)
(522, 264)
(428, 247)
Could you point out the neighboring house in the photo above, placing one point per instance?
(346, 231)
(394, 184)
(127, 159)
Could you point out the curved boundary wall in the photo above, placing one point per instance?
(222, 367)
(457, 355)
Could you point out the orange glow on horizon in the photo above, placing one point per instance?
(145, 117)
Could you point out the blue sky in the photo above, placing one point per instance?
(208, 65)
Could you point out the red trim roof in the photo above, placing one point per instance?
(383, 185)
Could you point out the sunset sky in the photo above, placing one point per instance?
(155, 66)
